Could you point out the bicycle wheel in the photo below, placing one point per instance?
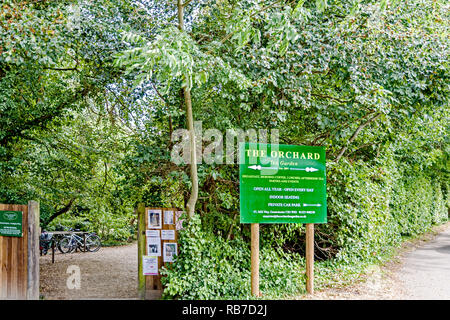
(80, 245)
(93, 243)
(65, 245)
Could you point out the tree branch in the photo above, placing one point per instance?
(60, 211)
(324, 96)
(355, 134)
(61, 69)
(186, 3)
(229, 35)
(18, 129)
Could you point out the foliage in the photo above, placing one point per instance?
(208, 267)
(367, 81)
(59, 102)
(88, 111)
(212, 268)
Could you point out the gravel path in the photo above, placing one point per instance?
(110, 273)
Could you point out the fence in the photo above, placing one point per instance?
(19, 251)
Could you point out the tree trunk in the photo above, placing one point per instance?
(190, 206)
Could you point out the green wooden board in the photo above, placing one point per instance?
(11, 223)
(282, 183)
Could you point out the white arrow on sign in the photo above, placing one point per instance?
(312, 205)
(258, 167)
(307, 169)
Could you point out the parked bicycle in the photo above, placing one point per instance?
(45, 242)
(73, 241)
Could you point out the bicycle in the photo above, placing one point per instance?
(45, 242)
(73, 241)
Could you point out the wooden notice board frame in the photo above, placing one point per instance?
(150, 286)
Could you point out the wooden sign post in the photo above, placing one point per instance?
(255, 258)
(282, 184)
(310, 258)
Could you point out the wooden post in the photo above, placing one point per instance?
(255, 258)
(53, 251)
(34, 232)
(310, 258)
(141, 249)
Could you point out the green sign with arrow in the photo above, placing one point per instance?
(11, 223)
(282, 183)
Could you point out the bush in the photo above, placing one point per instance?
(412, 205)
(358, 204)
(207, 267)
(439, 209)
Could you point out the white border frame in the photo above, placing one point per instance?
(173, 217)
(172, 258)
(149, 212)
(154, 241)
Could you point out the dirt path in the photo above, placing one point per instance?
(420, 271)
(110, 273)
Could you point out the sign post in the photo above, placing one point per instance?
(310, 258)
(282, 184)
(255, 258)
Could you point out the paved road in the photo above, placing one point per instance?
(425, 273)
(422, 271)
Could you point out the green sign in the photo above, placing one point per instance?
(282, 183)
(11, 223)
